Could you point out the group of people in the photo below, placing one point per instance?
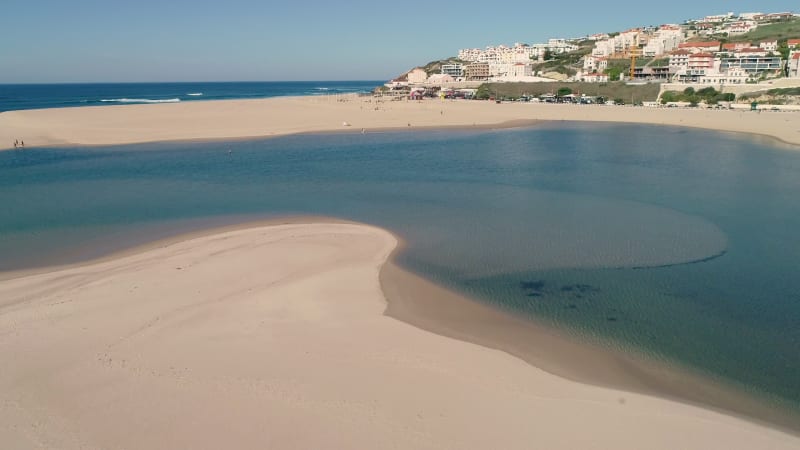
(19, 143)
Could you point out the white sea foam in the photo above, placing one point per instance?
(194, 94)
(140, 100)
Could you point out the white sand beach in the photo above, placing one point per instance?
(233, 119)
(275, 337)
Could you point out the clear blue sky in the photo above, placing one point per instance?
(200, 40)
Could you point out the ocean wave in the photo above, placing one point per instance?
(322, 89)
(194, 94)
(140, 100)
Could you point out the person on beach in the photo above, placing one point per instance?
(15, 143)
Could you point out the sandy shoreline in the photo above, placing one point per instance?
(132, 350)
(258, 118)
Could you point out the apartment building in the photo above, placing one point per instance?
(753, 63)
(679, 61)
(454, 70)
(476, 72)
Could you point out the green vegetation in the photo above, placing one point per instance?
(784, 91)
(617, 67)
(661, 62)
(779, 31)
(565, 62)
(562, 91)
(483, 92)
(436, 66)
(708, 95)
(512, 91)
(777, 96)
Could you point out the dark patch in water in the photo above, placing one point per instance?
(579, 289)
(611, 319)
(537, 285)
(534, 294)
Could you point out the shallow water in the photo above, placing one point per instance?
(680, 243)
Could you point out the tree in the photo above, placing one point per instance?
(688, 91)
(564, 91)
(483, 92)
(613, 73)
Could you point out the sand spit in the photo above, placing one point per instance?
(235, 119)
(275, 337)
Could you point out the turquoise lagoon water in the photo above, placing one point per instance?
(679, 243)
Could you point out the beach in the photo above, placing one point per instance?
(257, 118)
(280, 336)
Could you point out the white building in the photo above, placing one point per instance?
(666, 39)
(440, 78)
(794, 65)
(770, 46)
(594, 64)
(750, 15)
(593, 77)
(454, 70)
(679, 61)
(417, 75)
(741, 27)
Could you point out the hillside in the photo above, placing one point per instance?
(779, 31)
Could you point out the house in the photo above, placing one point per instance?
(793, 43)
(750, 52)
(594, 64)
(770, 46)
(741, 27)
(734, 46)
(520, 70)
(417, 76)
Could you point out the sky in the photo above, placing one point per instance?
(67, 41)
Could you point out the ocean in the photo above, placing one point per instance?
(36, 96)
(678, 243)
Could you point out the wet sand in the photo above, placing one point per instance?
(279, 335)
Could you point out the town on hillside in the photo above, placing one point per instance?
(735, 53)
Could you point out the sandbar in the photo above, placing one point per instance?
(258, 118)
(277, 336)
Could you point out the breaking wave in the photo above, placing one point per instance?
(140, 100)
(194, 94)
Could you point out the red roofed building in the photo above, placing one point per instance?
(701, 61)
(700, 47)
(735, 46)
(679, 61)
(750, 52)
(793, 43)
